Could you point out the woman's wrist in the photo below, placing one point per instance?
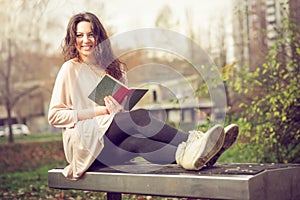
(90, 113)
(101, 110)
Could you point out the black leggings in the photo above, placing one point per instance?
(138, 133)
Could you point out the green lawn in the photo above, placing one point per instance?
(34, 185)
(32, 137)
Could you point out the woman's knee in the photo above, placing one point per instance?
(140, 117)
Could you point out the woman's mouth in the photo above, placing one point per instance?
(87, 47)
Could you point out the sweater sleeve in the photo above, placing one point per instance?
(61, 113)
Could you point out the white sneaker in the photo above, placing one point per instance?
(193, 135)
(180, 152)
(200, 148)
(231, 134)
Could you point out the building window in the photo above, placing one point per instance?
(154, 95)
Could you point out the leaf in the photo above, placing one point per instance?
(283, 118)
(298, 51)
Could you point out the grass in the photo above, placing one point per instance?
(234, 155)
(34, 185)
(33, 137)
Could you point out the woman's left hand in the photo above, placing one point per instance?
(112, 105)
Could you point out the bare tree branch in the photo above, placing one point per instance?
(25, 92)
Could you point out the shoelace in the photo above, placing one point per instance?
(194, 134)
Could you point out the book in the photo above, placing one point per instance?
(109, 86)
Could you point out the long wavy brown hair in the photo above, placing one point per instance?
(103, 52)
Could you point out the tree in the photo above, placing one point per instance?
(165, 18)
(16, 41)
(270, 121)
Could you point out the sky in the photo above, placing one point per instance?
(136, 13)
(141, 13)
(128, 15)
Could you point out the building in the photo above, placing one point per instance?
(256, 24)
(276, 13)
(174, 101)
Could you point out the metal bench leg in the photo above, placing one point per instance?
(114, 196)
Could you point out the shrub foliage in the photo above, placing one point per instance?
(270, 114)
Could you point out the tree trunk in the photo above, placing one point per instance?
(7, 93)
(9, 123)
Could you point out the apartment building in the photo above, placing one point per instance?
(256, 24)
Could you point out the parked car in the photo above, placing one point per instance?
(17, 129)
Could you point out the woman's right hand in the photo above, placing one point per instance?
(112, 105)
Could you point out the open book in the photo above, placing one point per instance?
(109, 86)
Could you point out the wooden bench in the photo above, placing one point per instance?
(223, 181)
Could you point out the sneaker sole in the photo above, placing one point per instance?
(231, 133)
(213, 145)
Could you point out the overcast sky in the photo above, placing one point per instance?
(123, 15)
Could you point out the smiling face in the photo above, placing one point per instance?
(85, 41)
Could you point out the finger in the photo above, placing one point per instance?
(108, 103)
(114, 101)
(106, 100)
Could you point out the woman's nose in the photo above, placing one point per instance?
(85, 38)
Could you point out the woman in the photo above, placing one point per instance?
(107, 134)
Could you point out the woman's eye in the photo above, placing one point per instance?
(81, 35)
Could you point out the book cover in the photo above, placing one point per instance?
(110, 86)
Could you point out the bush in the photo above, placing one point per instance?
(269, 122)
(29, 156)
